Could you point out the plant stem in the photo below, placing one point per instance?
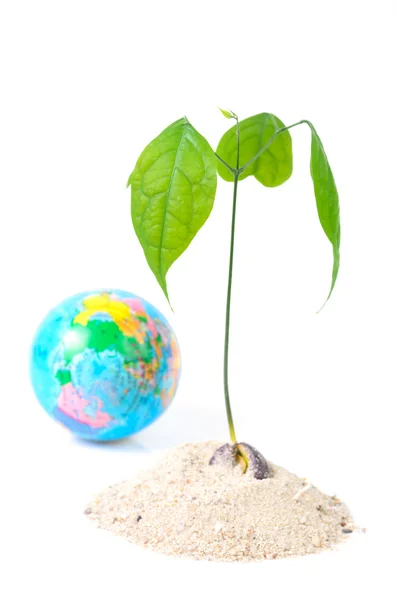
(265, 147)
(229, 293)
(225, 163)
(236, 173)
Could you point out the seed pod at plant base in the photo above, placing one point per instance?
(248, 457)
(255, 461)
(224, 455)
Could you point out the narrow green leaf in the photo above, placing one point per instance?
(327, 199)
(173, 188)
(274, 166)
(226, 113)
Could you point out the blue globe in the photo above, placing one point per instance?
(105, 364)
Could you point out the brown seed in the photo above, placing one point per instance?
(223, 455)
(244, 455)
(255, 461)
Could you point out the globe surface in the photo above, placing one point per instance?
(105, 364)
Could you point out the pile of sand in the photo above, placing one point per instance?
(183, 506)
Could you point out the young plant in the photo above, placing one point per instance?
(173, 189)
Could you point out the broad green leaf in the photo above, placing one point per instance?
(173, 188)
(327, 199)
(274, 165)
(226, 113)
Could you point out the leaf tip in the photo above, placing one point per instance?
(129, 181)
(163, 284)
(327, 298)
(168, 299)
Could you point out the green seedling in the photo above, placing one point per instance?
(173, 189)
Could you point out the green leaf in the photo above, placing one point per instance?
(274, 166)
(327, 199)
(173, 188)
(226, 113)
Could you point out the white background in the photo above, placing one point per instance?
(85, 86)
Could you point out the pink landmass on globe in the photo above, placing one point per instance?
(136, 306)
(73, 405)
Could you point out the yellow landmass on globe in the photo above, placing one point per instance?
(120, 312)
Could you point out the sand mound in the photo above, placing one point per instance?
(183, 506)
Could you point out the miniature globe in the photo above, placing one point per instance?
(105, 364)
